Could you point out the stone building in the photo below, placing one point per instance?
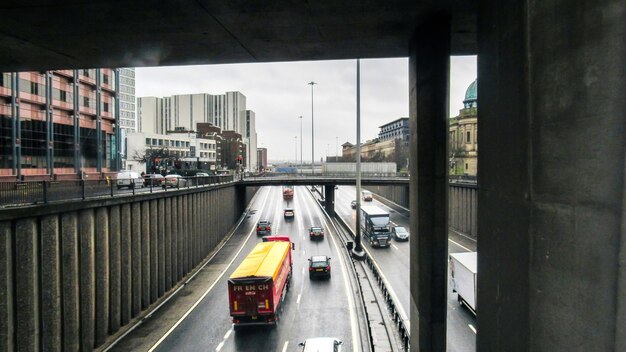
(464, 135)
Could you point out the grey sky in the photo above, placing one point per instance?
(278, 93)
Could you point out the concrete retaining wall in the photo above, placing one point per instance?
(462, 204)
(72, 274)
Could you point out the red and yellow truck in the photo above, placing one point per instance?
(287, 192)
(258, 286)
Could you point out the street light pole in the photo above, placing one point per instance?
(300, 144)
(312, 131)
(295, 139)
(357, 251)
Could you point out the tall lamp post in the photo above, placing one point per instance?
(295, 139)
(312, 131)
(357, 251)
(300, 144)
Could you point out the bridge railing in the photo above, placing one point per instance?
(21, 193)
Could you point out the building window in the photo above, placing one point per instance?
(105, 79)
(466, 166)
(469, 137)
(86, 101)
(147, 141)
(105, 107)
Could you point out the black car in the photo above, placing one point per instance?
(263, 228)
(319, 266)
(288, 214)
(353, 204)
(153, 180)
(316, 232)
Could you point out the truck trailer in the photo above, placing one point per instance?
(257, 288)
(287, 192)
(463, 272)
(375, 226)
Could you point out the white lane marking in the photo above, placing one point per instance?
(285, 346)
(460, 245)
(228, 334)
(472, 327)
(302, 271)
(298, 300)
(219, 347)
(395, 247)
(253, 230)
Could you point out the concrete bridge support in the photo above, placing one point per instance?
(71, 275)
(329, 200)
(551, 202)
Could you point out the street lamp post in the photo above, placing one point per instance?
(312, 131)
(300, 144)
(357, 251)
(295, 139)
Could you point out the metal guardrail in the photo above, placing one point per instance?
(401, 320)
(21, 193)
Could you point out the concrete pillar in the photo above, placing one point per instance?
(126, 263)
(135, 256)
(115, 251)
(184, 222)
(69, 281)
(169, 245)
(428, 92)
(87, 279)
(329, 203)
(161, 246)
(145, 254)
(27, 318)
(154, 251)
(179, 239)
(6, 288)
(102, 275)
(551, 209)
(51, 311)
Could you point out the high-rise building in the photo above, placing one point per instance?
(262, 159)
(250, 140)
(58, 124)
(396, 129)
(150, 115)
(128, 120)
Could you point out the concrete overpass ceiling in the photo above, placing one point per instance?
(47, 34)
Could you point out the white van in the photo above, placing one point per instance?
(367, 195)
(128, 178)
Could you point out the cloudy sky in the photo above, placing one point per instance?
(278, 93)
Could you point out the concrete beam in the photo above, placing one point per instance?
(126, 264)
(70, 282)
(145, 254)
(51, 336)
(115, 269)
(429, 73)
(6, 288)
(87, 279)
(102, 275)
(27, 316)
(135, 256)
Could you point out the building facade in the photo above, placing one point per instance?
(251, 141)
(59, 124)
(128, 117)
(262, 159)
(463, 138)
(396, 129)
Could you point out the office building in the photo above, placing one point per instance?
(463, 138)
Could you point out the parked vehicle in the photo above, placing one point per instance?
(316, 233)
(263, 228)
(288, 214)
(154, 180)
(319, 266)
(174, 181)
(129, 179)
(321, 344)
(399, 233)
(202, 174)
(367, 195)
(256, 289)
(463, 272)
(375, 226)
(287, 192)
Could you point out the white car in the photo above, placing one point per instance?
(321, 344)
(174, 181)
(129, 179)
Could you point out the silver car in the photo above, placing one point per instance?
(174, 181)
(399, 233)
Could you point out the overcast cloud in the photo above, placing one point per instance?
(278, 93)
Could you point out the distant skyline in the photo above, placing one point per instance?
(278, 93)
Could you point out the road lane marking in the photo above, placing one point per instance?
(302, 271)
(219, 347)
(472, 327)
(228, 334)
(395, 247)
(285, 346)
(253, 230)
(460, 245)
(298, 300)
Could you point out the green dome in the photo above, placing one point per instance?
(471, 94)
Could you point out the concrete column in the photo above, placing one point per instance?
(126, 263)
(428, 84)
(87, 279)
(179, 239)
(186, 233)
(146, 226)
(69, 281)
(51, 311)
(329, 201)
(154, 251)
(161, 246)
(115, 280)
(169, 243)
(102, 275)
(551, 209)
(135, 256)
(6, 288)
(27, 318)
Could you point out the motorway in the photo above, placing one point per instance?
(312, 308)
(394, 262)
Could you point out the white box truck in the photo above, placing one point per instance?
(463, 272)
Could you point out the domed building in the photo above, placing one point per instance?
(463, 139)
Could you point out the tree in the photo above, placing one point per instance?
(156, 159)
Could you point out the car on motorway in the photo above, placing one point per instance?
(288, 213)
(321, 344)
(174, 180)
(353, 204)
(263, 228)
(128, 179)
(367, 195)
(319, 266)
(399, 233)
(153, 180)
(316, 233)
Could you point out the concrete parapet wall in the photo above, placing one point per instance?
(73, 274)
